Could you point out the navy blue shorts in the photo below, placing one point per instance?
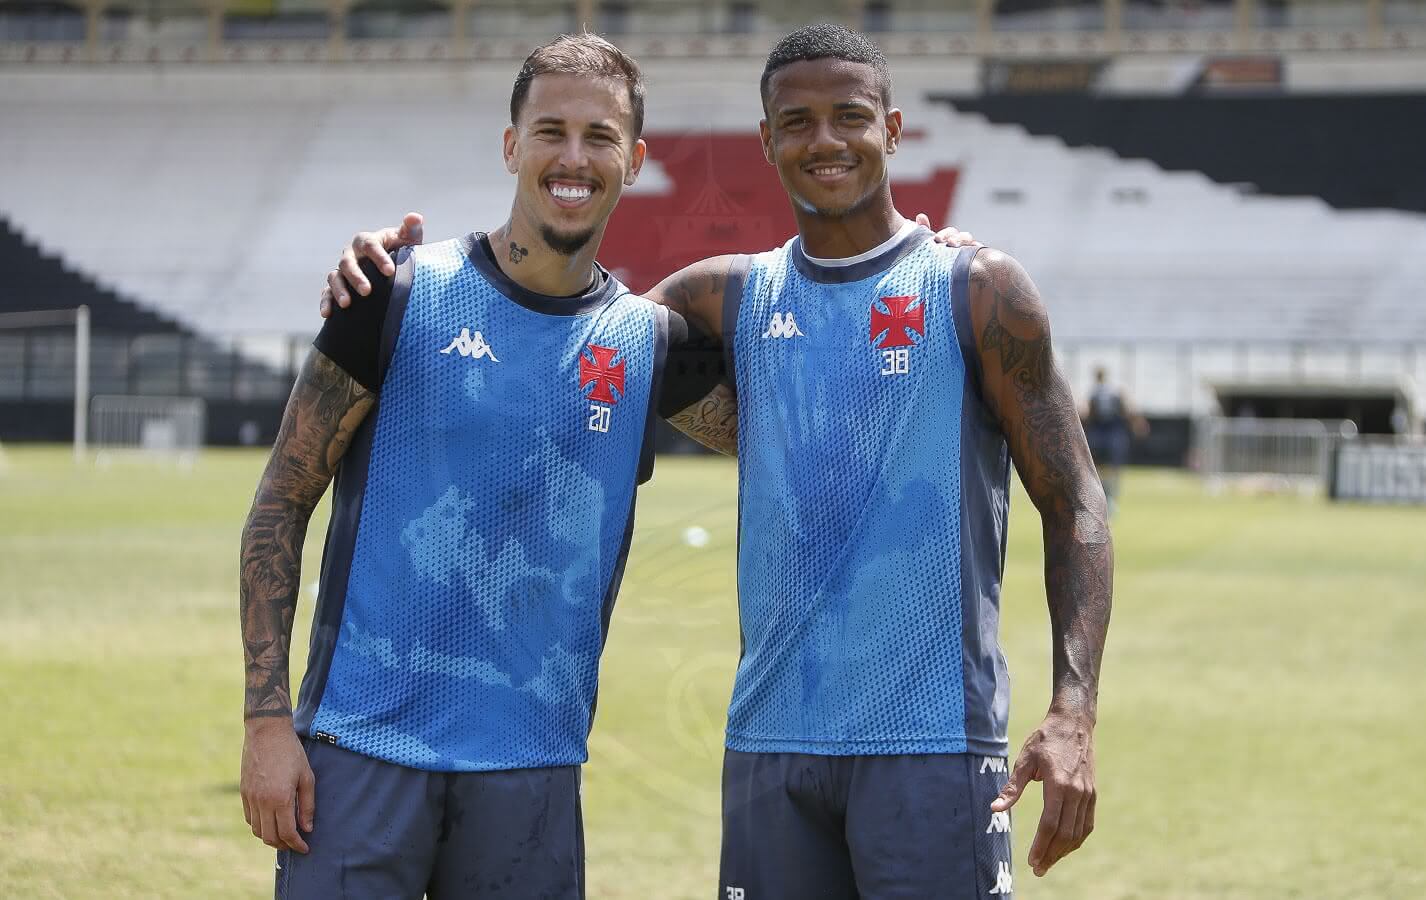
(917, 827)
(385, 831)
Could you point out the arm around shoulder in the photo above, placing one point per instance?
(696, 292)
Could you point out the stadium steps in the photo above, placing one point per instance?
(1290, 145)
(40, 281)
(134, 350)
(225, 196)
(1123, 249)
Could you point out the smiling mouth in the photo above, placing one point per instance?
(569, 194)
(829, 171)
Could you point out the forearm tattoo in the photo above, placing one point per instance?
(696, 293)
(712, 421)
(1036, 409)
(323, 412)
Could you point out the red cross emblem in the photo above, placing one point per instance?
(897, 321)
(602, 373)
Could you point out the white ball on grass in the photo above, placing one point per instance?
(695, 536)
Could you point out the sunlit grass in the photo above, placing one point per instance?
(1259, 735)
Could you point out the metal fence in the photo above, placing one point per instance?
(1164, 377)
(39, 365)
(155, 425)
(1288, 453)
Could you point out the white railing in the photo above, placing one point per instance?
(1273, 453)
(155, 426)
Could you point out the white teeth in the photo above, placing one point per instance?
(568, 192)
(830, 170)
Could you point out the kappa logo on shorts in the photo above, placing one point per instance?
(1002, 880)
(999, 823)
(992, 764)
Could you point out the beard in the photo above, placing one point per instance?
(565, 244)
(838, 212)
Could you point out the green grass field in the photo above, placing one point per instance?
(1261, 728)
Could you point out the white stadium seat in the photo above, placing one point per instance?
(220, 197)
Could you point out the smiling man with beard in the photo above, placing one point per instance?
(487, 418)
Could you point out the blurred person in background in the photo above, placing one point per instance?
(1110, 424)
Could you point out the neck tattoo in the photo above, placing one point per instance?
(517, 253)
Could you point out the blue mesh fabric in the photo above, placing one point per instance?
(492, 525)
(849, 566)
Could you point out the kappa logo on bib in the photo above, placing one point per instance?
(782, 326)
(471, 346)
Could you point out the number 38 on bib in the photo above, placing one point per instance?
(893, 319)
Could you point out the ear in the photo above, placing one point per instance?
(636, 161)
(512, 162)
(765, 131)
(893, 130)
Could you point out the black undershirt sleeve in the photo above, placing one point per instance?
(351, 337)
(693, 368)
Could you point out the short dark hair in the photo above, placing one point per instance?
(580, 54)
(827, 41)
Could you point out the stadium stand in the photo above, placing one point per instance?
(1174, 255)
(259, 188)
(1281, 144)
(219, 195)
(133, 350)
(37, 282)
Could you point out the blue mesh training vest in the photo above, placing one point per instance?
(481, 520)
(873, 499)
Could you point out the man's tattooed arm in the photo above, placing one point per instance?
(712, 421)
(1029, 395)
(696, 293)
(323, 412)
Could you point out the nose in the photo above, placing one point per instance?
(825, 138)
(574, 154)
